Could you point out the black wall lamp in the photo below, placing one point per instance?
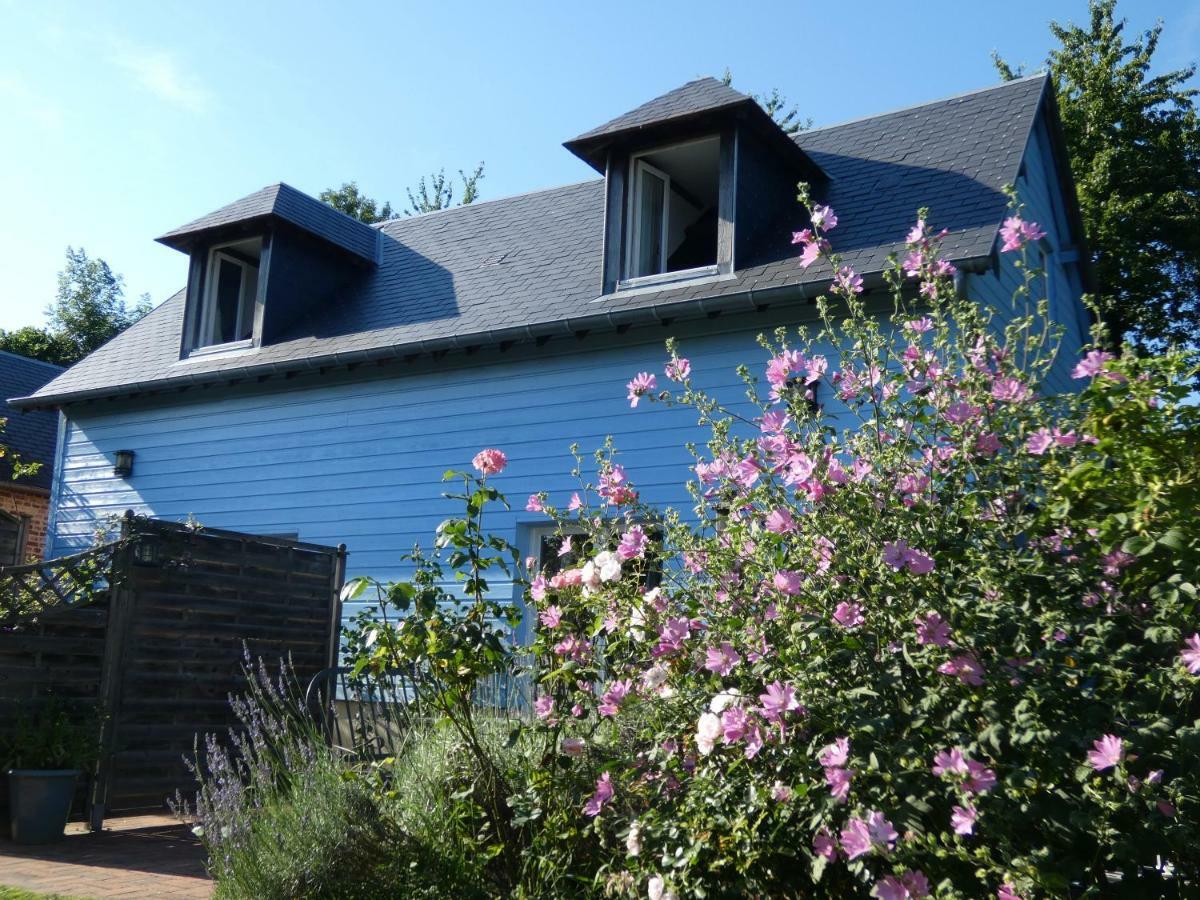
(123, 463)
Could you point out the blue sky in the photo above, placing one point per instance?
(121, 121)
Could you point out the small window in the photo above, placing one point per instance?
(230, 293)
(673, 210)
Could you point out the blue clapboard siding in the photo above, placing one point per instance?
(1039, 192)
(359, 459)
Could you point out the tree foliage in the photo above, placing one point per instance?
(438, 193)
(89, 310)
(429, 195)
(776, 105)
(1134, 142)
(353, 202)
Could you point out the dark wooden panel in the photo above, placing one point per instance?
(162, 648)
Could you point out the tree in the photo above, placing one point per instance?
(89, 310)
(776, 105)
(439, 193)
(428, 196)
(350, 200)
(1134, 143)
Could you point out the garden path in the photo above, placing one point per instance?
(139, 856)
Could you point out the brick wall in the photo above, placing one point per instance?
(33, 504)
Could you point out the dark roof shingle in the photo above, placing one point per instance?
(506, 269)
(284, 202)
(32, 435)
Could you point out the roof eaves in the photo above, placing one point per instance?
(674, 309)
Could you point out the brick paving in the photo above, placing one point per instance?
(139, 856)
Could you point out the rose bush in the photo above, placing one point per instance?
(937, 636)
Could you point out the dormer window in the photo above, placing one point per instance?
(230, 294)
(674, 195)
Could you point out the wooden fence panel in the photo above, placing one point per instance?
(161, 648)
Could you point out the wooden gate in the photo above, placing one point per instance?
(164, 641)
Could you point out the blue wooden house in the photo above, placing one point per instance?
(317, 375)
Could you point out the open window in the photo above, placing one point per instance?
(672, 225)
(230, 293)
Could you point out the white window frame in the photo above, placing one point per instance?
(538, 533)
(204, 332)
(639, 166)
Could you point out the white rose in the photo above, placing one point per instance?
(655, 888)
(590, 577)
(633, 843)
(655, 677)
(722, 701)
(609, 565)
(708, 732)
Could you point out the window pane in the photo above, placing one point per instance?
(225, 307)
(651, 206)
(249, 293)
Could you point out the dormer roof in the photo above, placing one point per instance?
(284, 203)
(705, 102)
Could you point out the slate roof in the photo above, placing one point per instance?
(33, 435)
(530, 265)
(699, 96)
(283, 201)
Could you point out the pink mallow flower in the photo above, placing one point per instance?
(839, 779)
(823, 844)
(899, 555)
(490, 461)
(1010, 390)
(642, 384)
(1092, 364)
(950, 762)
(965, 668)
(835, 754)
(1190, 655)
(912, 885)
(604, 793)
(535, 504)
(1007, 892)
(550, 616)
(849, 615)
(1015, 232)
(932, 630)
(1108, 752)
(787, 582)
(544, 707)
(780, 521)
(678, 369)
(962, 819)
(777, 701)
(1040, 441)
(721, 660)
(824, 217)
(633, 543)
(610, 703)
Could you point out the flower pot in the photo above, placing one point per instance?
(39, 801)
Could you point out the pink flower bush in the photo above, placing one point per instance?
(909, 592)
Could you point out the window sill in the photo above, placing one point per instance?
(219, 349)
(667, 278)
